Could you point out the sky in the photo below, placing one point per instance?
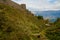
(40, 5)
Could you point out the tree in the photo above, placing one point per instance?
(40, 17)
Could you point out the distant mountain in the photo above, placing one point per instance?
(48, 14)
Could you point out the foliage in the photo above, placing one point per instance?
(40, 17)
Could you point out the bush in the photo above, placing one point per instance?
(40, 17)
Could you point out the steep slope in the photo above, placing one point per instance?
(16, 24)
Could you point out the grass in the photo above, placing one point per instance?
(18, 24)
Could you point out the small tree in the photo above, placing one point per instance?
(40, 17)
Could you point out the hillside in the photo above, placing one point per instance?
(21, 24)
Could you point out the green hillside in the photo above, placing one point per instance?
(53, 33)
(21, 24)
(17, 24)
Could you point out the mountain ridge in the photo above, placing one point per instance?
(55, 14)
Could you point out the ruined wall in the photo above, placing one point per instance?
(23, 6)
(13, 4)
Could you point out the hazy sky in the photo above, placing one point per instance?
(41, 4)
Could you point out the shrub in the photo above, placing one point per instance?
(40, 17)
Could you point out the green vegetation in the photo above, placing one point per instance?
(40, 17)
(17, 24)
(21, 24)
(53, 33)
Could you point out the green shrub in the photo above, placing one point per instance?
(40, 17)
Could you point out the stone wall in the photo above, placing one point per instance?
(13, 4)
(23, 6)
